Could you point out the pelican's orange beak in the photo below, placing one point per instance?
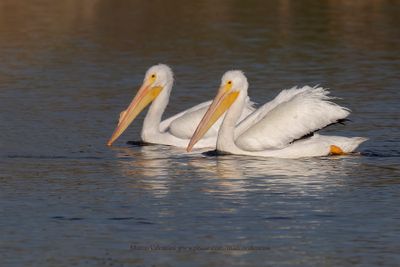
(145, 95)
(222, 101)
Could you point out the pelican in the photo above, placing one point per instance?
(174, 131)
(280, 127)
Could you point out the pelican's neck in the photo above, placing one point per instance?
(151, 123)
(226, 138)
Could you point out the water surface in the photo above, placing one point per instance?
(67, 68)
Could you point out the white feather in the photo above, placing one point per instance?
(291, 115)
(315, 146)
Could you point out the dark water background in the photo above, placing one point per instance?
(67, 68)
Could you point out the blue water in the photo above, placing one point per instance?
(68, 68)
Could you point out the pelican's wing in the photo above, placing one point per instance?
(256, 116)
(184, 124)
(291, 115)
(166, 123)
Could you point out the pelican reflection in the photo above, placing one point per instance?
(148, 167)
(242, 174)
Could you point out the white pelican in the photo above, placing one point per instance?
(174, 131)
(274, 129)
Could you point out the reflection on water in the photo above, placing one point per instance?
(154, 168)
(147, 168)
(67, 69)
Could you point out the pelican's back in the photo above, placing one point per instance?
(289, 117)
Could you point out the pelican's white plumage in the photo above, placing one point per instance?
(271, 130)
(176, 130)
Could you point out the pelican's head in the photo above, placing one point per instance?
(159, 75)
(157, 79)
(233, 83)
(235, 80)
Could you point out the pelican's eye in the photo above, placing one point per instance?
(229, 85)
(153, 78)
